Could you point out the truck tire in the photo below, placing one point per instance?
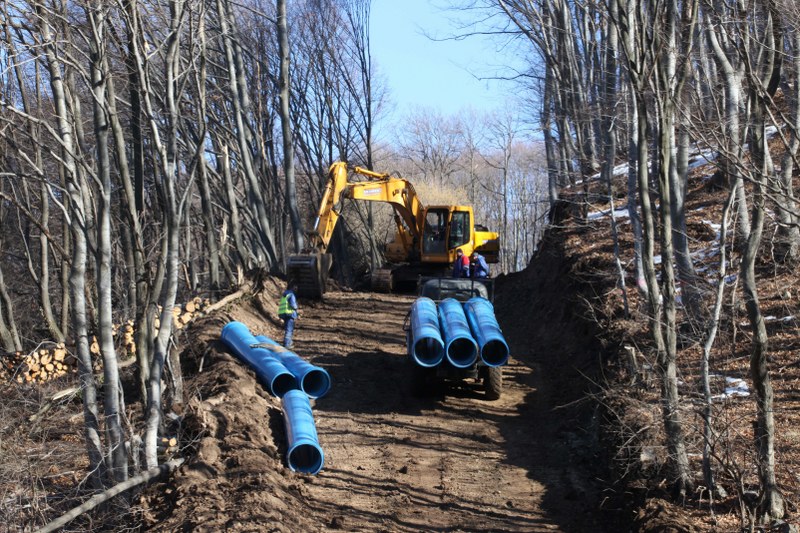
(420, 381)
(493, 382)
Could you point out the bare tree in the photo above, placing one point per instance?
(764, 76)
(241, 111)
(726, 34)
(645, 36)
(167, 153)
(432, 143)
(76, 189)
(117, 454)
(286, 128)
(788, 237)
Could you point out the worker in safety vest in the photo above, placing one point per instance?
(287, 311)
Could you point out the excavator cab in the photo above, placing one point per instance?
(446, 228)
(434, 234)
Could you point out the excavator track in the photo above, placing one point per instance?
(382, 280)
(310, 273)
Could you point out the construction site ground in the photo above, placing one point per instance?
(452, 461)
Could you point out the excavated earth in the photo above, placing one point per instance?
(453, 461)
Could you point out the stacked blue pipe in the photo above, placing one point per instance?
(459, 346)
(483, 323)
(427, 346)
(278, 379)
(456, 332)
(314, 381)
(284, 372)
(304, 453)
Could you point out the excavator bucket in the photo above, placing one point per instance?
(381, 280)
(310, 272)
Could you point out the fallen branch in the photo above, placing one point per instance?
(119, 488)
(36, 417)
(228, 299)
(51, 402)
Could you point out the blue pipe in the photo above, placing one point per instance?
(460, 347)
(486, 330)
(314, 381)
(304, 453)
(426, 346)
(278, 379)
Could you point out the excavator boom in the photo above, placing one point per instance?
(397, 192)
(310, 269)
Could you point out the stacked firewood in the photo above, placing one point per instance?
(44, 364)
(41, 364)
(125, 343)
(182, 315)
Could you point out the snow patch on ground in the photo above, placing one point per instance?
(734, 388)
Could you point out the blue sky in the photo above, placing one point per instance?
(433, 74)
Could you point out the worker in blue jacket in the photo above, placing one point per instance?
(478, 266)
(287, 311)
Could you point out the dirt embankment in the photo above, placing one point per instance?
(394, 462)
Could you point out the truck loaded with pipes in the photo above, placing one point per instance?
(452, 335)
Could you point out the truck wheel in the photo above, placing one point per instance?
(420, 382)
(493, 382)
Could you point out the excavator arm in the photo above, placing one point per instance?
(310, 269)
(397, 192)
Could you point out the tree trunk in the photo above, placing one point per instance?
(168, 155)
(238, 91)
(8, 329)
(43, 278)
(206, 203)
(609, 128)
(771, 502)
(711, 334)
(117, 461)
(286, 128)
(733, 138)
(77, 272)
(787, 245)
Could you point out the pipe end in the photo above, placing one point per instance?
(428, 352)
(462, 352)
(305, 457)
(282, 384)
(316, 383)
(495, 353)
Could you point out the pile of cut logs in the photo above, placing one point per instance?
(40, 365)
(44, 364)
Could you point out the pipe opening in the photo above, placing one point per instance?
(462, 352)
(428, 352)
(316, 383)
(282, 384)
(494, 353)
(305, 458)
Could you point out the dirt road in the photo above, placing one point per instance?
(452, 462)
(393, 462)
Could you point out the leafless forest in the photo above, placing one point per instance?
(158, 151)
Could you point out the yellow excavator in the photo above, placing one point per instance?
(424, 244)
